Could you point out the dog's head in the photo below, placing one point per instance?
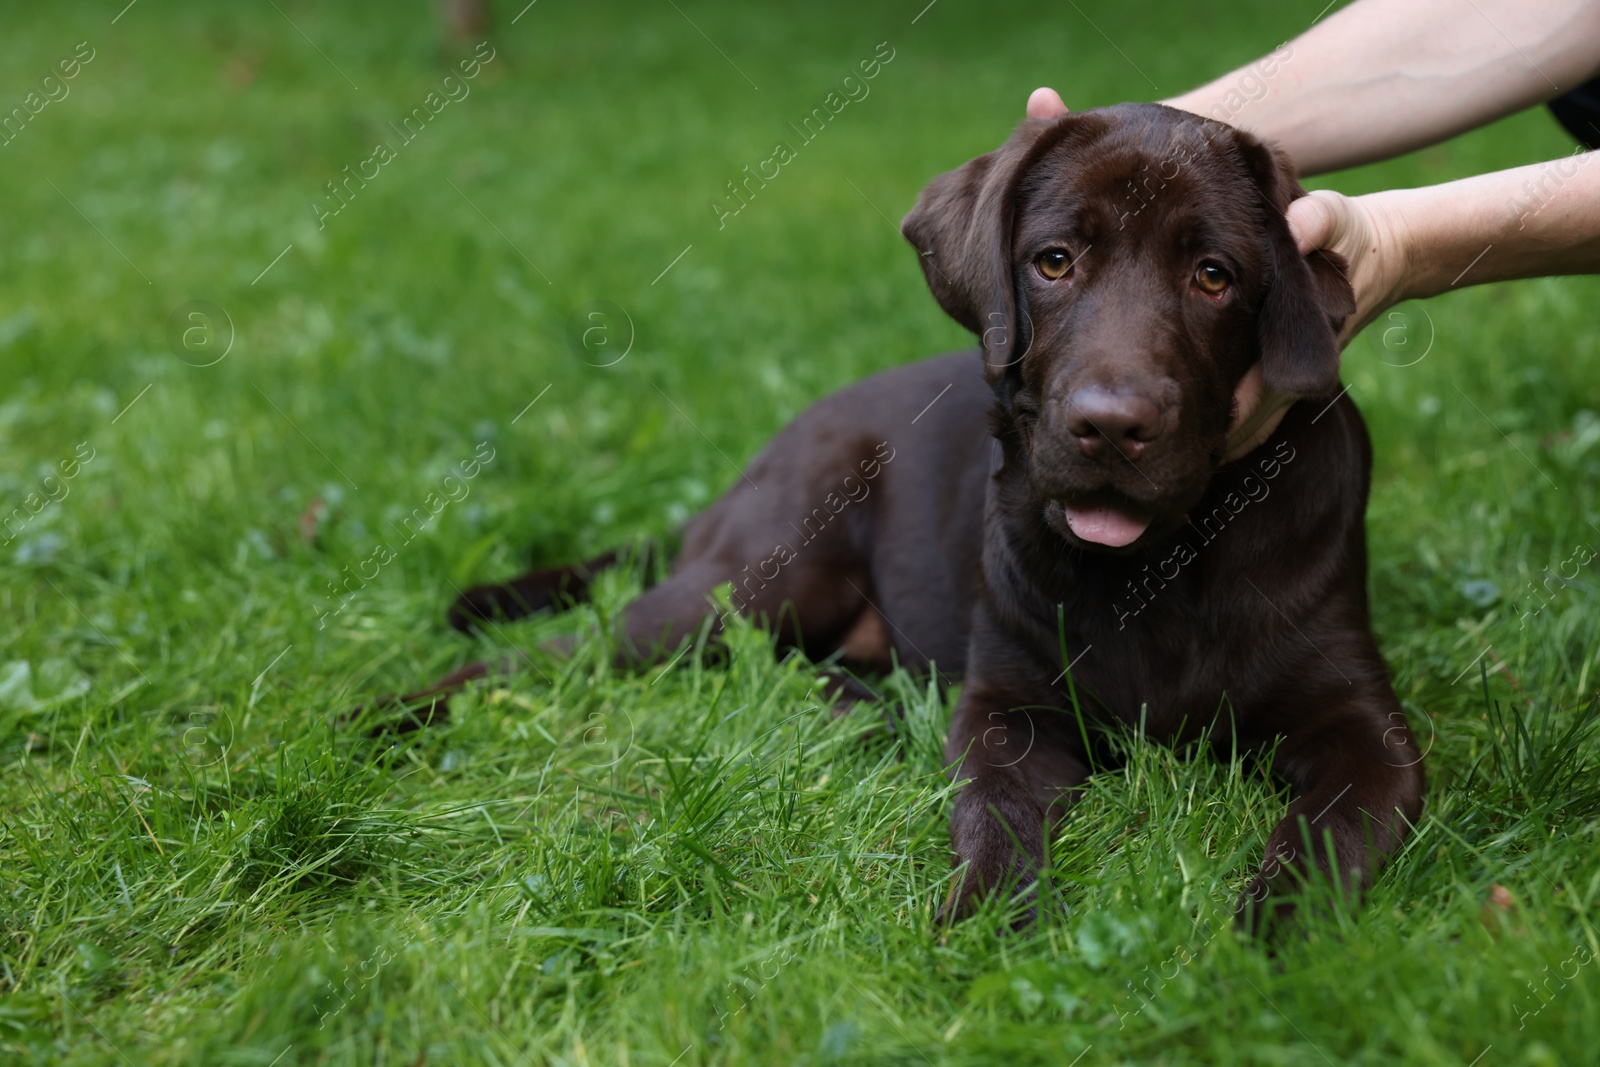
(1124, 267)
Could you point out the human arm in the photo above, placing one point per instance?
(1526, 222)
(1380, 78)
(1410, 244)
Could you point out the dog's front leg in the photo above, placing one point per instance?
(1357, 779)
(1016, 769)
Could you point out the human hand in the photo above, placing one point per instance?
(1363, 230)
(1358, 228)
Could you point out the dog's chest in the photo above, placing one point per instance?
(1153, 648)
(1188, 630)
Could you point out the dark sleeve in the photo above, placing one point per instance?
(1579, 112)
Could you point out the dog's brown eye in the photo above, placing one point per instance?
(1054, 264)
(1212, 279)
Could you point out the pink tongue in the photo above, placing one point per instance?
(1105, 526)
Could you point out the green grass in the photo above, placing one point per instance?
(201, 863)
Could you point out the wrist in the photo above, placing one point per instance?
(1395, 245)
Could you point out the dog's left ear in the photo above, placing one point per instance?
(1308, 298)
(961, 228)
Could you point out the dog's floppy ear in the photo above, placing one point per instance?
(1308, 298)
(961, 229)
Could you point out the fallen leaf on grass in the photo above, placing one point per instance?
(1498, 909)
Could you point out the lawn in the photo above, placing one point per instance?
(237, 409)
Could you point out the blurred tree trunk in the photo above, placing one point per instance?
(462, 24)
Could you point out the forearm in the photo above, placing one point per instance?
(1383, 77)
(1528, 222)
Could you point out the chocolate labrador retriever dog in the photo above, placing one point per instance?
(1052, 518)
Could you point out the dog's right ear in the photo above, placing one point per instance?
(961, 228)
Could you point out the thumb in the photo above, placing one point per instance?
(1045, 103)
(1314, 220)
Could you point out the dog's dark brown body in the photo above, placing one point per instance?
(1050, 518)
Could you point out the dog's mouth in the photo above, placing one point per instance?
(1103, 520)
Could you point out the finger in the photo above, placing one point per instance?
(1311, 223)
(1046, 103)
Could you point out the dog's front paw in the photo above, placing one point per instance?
(965, 893)
(970, 889)
(998, 830)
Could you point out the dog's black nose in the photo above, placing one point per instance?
(1125, 422)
